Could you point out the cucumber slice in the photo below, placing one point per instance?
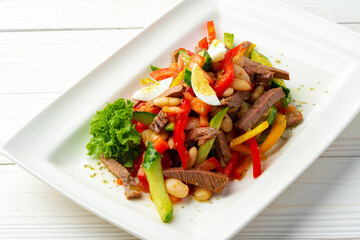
(229, 40)
(154, 174)
(169, 127)
(272, 115)
(276, 82)
(144, 117)
(208, 61)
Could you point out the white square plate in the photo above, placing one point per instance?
(322, 58)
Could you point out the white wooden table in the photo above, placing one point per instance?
(46, 46)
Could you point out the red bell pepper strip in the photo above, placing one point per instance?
(196, 58)
(226, 80)
(140, 127)
(228, 66)
(162, 73)
(203, 43)
(241, 166)
(160, 145)
(230, 166)
(144, 185)
(179, 132)
(209, 164)
(236, 50)
(211, 31)
(255, 154)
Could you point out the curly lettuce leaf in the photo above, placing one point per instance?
(114, 134)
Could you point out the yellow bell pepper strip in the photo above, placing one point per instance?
(250, 134)
(255, 155)
(275, 133)
(178, 79)
(249, 49)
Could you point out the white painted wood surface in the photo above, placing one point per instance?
(46, 46)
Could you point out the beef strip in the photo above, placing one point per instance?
(247, 121)
(131, 188)
(293, 118)
(263, 73)
(159, 122)
(222, 150)
(236, 99)
(245, 44)
(206, 179)
(176, 91)
(213, 76)
(202, 134)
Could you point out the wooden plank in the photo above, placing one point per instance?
(322, 203)
(33, 62)
(22, 15)
(341, 11)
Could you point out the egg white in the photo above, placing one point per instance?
(217, 50)
(201, 85)
(150, 92)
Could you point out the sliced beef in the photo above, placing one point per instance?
(236, 99)
(245, 44)
(159, 122)
(262, 73)
(209, 180)
(293, 118)
(222, 150)
(131, 188)
(202, 134)
(247, 121)
(213, 76)
(176, 91)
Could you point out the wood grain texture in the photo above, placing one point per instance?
(46, 46)
(20, 15)
(23, 15)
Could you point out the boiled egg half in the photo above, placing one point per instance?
(150, 92)
(202, 88)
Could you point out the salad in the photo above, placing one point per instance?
(196, 124)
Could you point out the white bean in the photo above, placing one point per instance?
(193, 156)
(166, 101)
(242, 74)
(228, 92)
(258, 91)
(238, 60)
(163, 134)
(171, 143)
(240, 84)
(202, 194)
(227, 124)
(193, 122)
(146, 136)
(243, 109)
(176, 188)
